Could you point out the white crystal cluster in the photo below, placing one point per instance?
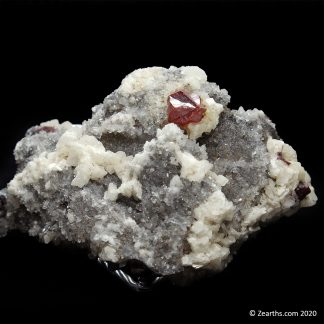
(129, 185)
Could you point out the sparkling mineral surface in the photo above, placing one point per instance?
(164, 173)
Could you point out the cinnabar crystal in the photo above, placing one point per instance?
(184, 109)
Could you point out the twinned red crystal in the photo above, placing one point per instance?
(184, 109)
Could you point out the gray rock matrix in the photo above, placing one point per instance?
(128, 185)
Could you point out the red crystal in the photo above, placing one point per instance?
(280, 157)
(302, 191)
(47, 129)
(184, 109)
(37, 129)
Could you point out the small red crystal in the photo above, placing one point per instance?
(302, 191)
(47, 129)
(280, 157)
(37, 129)
(184, 109)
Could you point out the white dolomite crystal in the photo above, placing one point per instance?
(209, 121)
(163, 173)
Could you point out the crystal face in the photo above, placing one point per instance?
(302, 191)
(184, 109)
(164, 179)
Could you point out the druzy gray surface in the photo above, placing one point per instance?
(128, 185)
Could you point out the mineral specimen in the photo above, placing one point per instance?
(164, 173)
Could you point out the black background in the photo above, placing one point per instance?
(59, 59)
